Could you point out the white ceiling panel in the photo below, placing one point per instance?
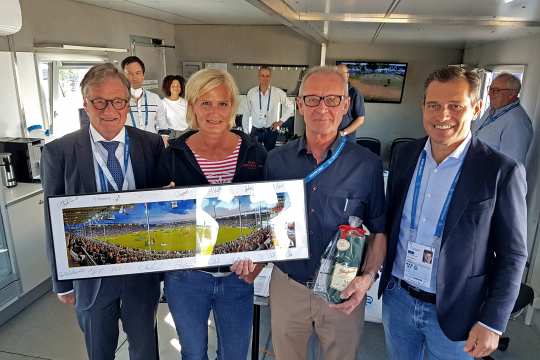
(439, 22)
(448, 36)
(351, 32)
(523, 9)
(340, 6)
(188, 12)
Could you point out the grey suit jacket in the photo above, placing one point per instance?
(484, 243)
(67, 168)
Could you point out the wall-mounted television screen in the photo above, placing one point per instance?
(380, 82)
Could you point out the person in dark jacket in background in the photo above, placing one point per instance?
(212, 154)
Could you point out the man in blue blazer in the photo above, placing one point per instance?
(456, 232)
(79, 163)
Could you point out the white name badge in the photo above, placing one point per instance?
(418, 264)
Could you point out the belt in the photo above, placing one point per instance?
(219, 271)
(261, 128)
(416, 292)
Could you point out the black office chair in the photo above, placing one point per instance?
(371, 143)
(396, 143)
(525, 299)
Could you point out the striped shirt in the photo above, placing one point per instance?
(219, 171)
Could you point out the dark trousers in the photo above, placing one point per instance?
(265, 136)
(131, 299)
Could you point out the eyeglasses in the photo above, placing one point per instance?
(329, 100)
(496, 91)
(101, 104)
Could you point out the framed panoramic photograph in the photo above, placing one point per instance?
(106, 234)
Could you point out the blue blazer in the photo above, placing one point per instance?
(67, 168)
(484, 243)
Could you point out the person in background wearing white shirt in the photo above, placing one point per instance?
(263, 107)
(146, 111)
(175, 105)
(505, 126)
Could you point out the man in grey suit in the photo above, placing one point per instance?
(106, 156)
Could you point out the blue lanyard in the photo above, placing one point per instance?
(442, 217)
(102, 180)
(269, 97)
(492, 118)
(145, 112)
(312, 175)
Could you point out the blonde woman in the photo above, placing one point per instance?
(212, 153)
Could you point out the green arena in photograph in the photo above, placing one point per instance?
(172, 239)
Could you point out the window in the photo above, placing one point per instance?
(60, 85)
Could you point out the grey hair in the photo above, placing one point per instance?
(512, 82)
(323, 70)
(99, 73)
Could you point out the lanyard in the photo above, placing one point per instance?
(312, 175)
(492, 118)
(444, 211)
(145, 112)
(269, 97)
(105, 177)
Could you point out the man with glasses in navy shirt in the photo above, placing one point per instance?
(342, 179)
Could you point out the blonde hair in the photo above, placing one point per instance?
(204, 81)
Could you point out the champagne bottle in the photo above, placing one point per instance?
(350, 249)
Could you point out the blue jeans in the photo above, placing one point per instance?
(411, 328)
(192, 294)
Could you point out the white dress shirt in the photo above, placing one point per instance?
(264, 110)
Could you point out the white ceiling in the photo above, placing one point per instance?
(189, 12)
(449, 23)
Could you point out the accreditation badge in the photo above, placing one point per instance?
(418, 264)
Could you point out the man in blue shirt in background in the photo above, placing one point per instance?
(355, 115)
(350, 184)
(505, 126)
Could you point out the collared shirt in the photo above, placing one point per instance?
(148, 104)
(511, 133)
(257, 110)
(102, 152)
(352, 185)
(356, 109)
(434, 187)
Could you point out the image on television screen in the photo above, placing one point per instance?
(377, 81)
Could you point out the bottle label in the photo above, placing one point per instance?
(343, 245)
(342, 276)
